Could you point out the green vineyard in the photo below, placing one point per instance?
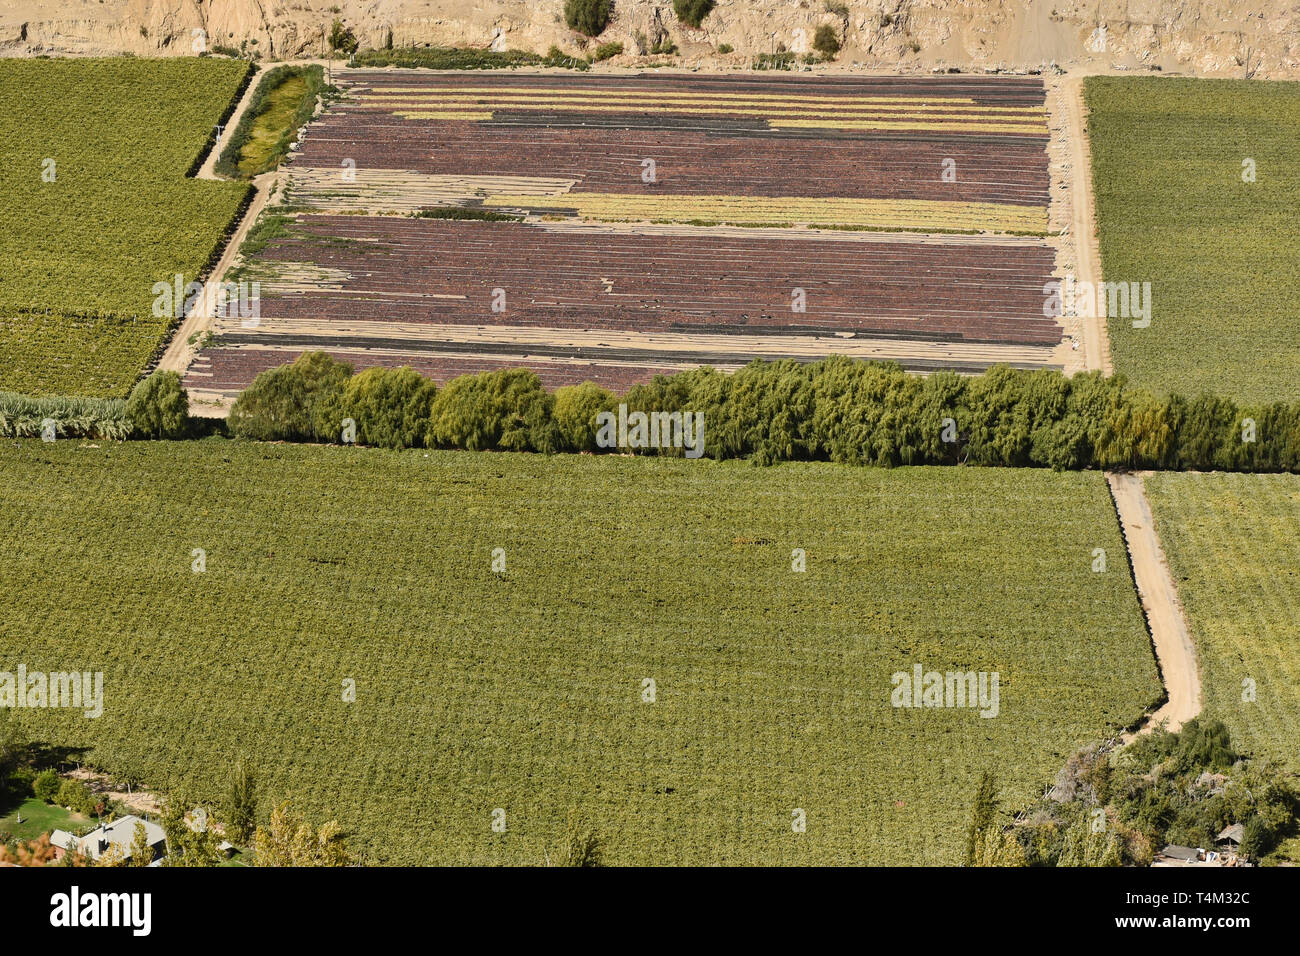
(1232, 545)
(524, 690)
(99, 208)
(1196, 188)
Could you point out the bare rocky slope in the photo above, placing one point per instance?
(1208, 37)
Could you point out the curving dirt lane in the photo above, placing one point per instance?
(1175, 651)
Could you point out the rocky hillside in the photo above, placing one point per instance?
(1211, 37)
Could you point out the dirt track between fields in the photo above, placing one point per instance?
(1174, 649)
(1083, 221)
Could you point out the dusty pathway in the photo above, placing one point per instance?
(180, 350)
(1173, 642)
(1083, 222)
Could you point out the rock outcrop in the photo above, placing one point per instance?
(1204, 37)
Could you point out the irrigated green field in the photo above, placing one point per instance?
(524, 690)
(1220, 253)
(97, 206)
(1233, 543)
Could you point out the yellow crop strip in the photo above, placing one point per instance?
(884, 213)
(779, 119)
(965, 126)
(657, 95)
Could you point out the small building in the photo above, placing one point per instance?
(1174, 855)
(1231, 837)
(120, 833)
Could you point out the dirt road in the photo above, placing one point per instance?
(1173, 642)
(1083, 222)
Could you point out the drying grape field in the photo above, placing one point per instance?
(99, 207)
(1204, 210)
(1233, 544)
(524, 690)
(612, 228)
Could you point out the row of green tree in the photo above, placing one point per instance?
(840, 410)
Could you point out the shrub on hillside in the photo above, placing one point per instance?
(159, 407)
(588, 17)
(507, 410)
(282, 404)
(575, 410)
(826, 41)
(692, 12)
(607, 50)
(390, 407)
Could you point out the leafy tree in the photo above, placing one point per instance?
(342, 38)
(46, 785)
(983, 817)
(588, 17)
(575, 411)
(282, 403)
(187, 846)
(291, 841)
(141, 852)
(159, 407)
(390, 406)
(506, 409)
(241, 804)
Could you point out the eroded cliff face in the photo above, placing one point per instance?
(1210, 37)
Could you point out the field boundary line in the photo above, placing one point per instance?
(180, 351)
(1170, 636)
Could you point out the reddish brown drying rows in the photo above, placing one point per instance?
(687, 162)
(961, 303)
(697, 283)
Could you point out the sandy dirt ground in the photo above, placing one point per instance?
(1083, 221)
(1169, 632)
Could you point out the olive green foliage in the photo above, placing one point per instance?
(507, 410)
(22, 416)
(607, 50)
(588, 17)
(692, 12)
(293, 402)
(575, 411)
(240, 811)
(826, 40)
(1185, 788)
(282, 104)
(390, 406)
(465, 58)
(46, 785)
(868, 413)
(342, 40)
(159, 407)
(523, 688)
